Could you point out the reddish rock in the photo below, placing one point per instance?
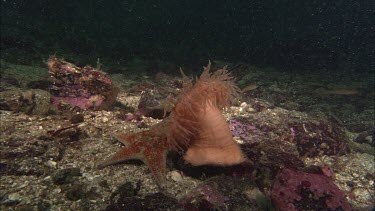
(298, 190)
(86, 88)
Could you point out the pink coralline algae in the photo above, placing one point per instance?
(319, 137)
(312, 135)
(81, 102)
(245, 130)
(86, 88)
(298, 190)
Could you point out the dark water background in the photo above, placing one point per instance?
(293, 35)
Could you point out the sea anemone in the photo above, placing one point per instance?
(196, 122)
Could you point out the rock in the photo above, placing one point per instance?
(47, 180)
(298, 190)
(75, 192)
(86, 88)
(44, 206)
(256, 196)
(77, 118)
(204, 196)
(312, 135)
(10, 100)
(104, 184)
(105, 119)
(64, 176)
(42, 100)
(150, 105)
(32, 101)
(176, 176)
(126, 190)
(14, 197)
(220, 193)
(51, 164)
(11, 199)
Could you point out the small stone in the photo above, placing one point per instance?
(56, 190)
(44, 205)
(14, 197)
(77, 118)
(252, 194)
(250, 109)
(51, 164)
(47, 180)
(23, 185)
(105, 119)
(243, 104)
(42, 101)
(88, 116)
(75, 193)
(369, 139)
(65, 176)
(103, 183)
(176, 176)
(91, 177)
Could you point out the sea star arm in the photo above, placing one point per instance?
(129, 152)
(126, 139)
(156, 158)
(149, 149)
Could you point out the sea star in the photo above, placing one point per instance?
(151, 147)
